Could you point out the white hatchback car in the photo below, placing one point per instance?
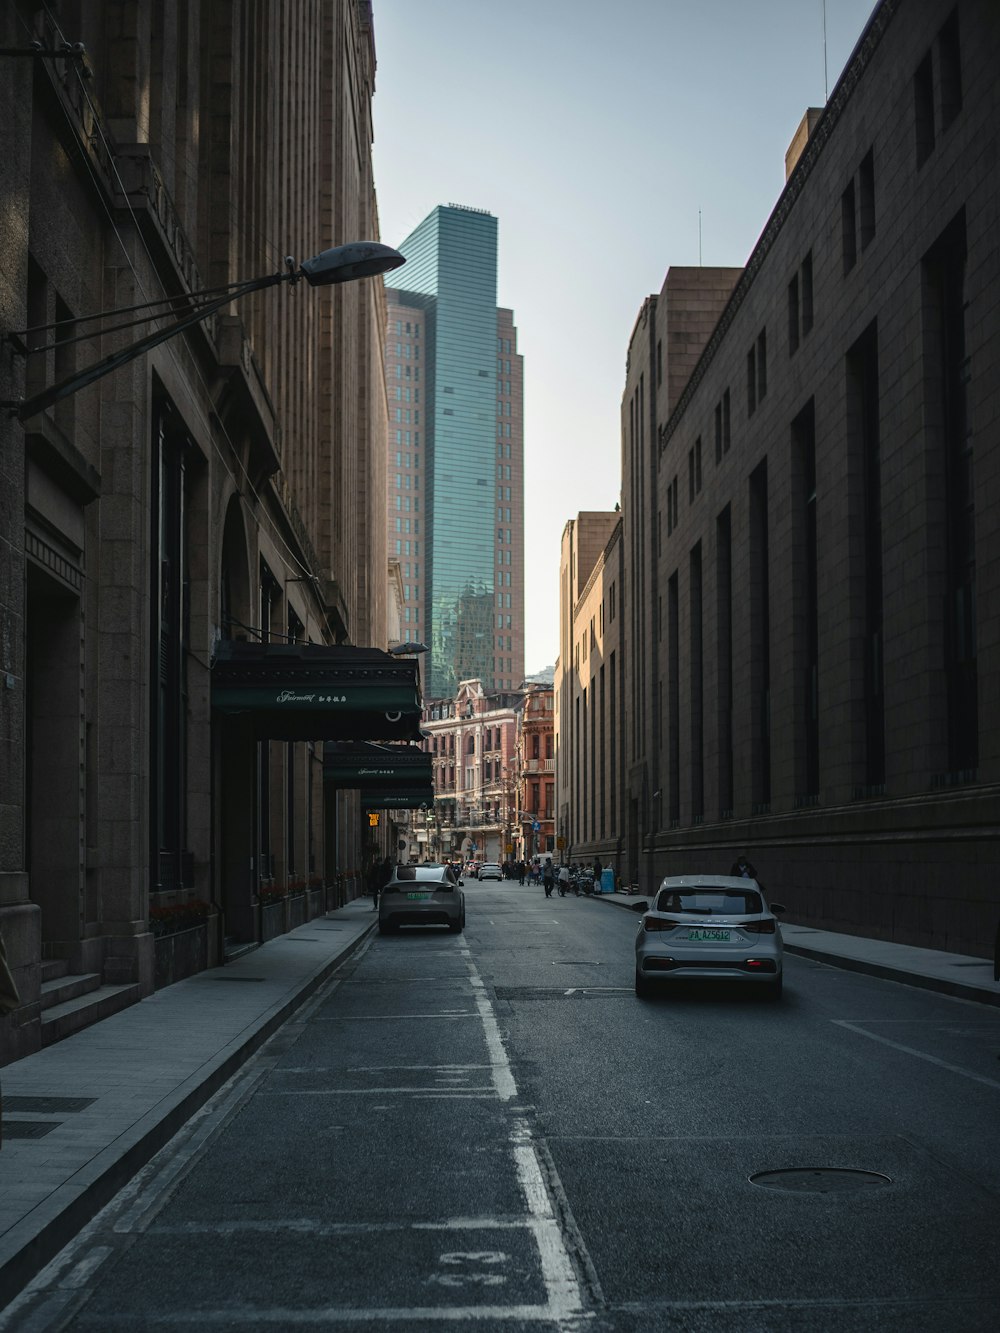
(709, 927)
(490, 870)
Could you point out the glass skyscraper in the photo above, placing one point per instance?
(449, 408)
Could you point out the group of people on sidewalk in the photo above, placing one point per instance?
(567, 880)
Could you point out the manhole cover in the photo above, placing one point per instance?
(28, 1129)
(819, 1179)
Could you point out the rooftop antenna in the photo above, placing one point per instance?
(826, 83)
(699, 238)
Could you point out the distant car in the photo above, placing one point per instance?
(490, 870)
(709, 928)
(423, 895)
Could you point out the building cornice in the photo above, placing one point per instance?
(855, 68)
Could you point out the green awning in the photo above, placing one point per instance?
(397, 800)
(366, 766)
(317, 692)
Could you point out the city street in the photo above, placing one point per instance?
(490, 1131)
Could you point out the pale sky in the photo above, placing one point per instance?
(595, 132)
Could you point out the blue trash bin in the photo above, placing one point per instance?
(607, 880)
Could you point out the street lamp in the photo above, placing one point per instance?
(343, 263)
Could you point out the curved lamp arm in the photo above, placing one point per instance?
(344, 263)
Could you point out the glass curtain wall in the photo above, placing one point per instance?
(452, 258)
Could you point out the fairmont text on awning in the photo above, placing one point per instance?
(316, 692)
(370, 767)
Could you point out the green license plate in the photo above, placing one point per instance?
(418, 896)
(708, 935)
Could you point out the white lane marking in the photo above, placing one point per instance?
(565, 1298)
(250, 1316)
(459, 1093)
(920, 1055)
(81, 1274)
(390, 1018)
(571, 991)
(312, 1226)
(381, 1069)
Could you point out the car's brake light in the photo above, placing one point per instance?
(765, 927)
(659, 923)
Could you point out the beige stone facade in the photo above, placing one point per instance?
(229, 484)
(589, 692)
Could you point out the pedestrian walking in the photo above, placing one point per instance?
(548, 882)
(742, 869)
(563, 879)
(597, 874)
(520, 872)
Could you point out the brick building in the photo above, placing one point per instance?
(215, 508)
(535, 768)
(810, 490)
(472, 740)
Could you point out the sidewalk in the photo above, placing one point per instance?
(83, 1115)
(949, 973)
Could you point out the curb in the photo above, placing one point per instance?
(28, 1247)
(887, 972)
(941, 985)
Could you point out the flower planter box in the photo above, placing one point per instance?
(297, 905)
(179, 955)
(272, 921)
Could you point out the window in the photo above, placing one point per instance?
(866, 189)
(923, 109)
(951, 70)
(793, 320)
(694, 470)
(761, 365)
(718, 432)
(807, 293)
(751, 381)
(848, 228)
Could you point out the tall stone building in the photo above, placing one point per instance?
(589, 692)
(198, 524)
(456, 451)
(808, 505)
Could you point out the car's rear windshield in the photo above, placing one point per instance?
(708, 901)
(424, 872)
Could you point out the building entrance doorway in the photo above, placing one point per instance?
(55, 761)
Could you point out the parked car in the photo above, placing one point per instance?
(422, 895)
(709, 928)
(490, 870)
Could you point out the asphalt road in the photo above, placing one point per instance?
(491, 1132)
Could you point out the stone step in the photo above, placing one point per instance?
(53, 968)
(63, 988)
(62, 1020)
